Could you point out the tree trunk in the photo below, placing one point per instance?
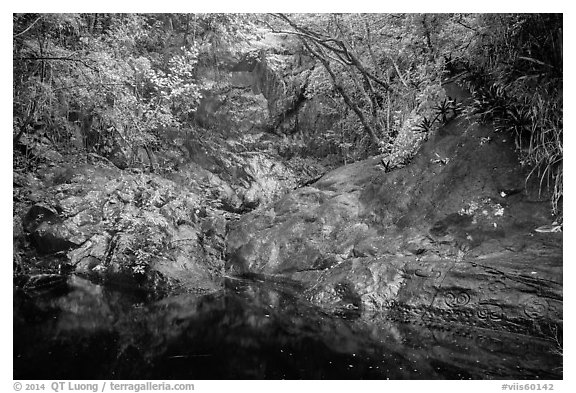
(367, 127)
(151, 158)
(347, 100)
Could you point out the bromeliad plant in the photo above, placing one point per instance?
(516, 73)
(425, 125)
(446, 107)
(442, 114)
(490, 102)
(537, 125)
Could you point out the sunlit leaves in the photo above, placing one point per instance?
(177, 85)
(389, 65)
(319, 83)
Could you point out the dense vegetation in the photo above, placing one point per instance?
(82, 81)
(112, 75)
(517, 84)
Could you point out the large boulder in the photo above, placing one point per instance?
(234, 174)
(47, 231)
(280, 72)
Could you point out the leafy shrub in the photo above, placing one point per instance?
(516, 78)
(422, 120)
(140, 243)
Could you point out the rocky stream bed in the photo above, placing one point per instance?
(449, 267)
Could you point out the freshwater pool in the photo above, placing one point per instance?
(249, 330)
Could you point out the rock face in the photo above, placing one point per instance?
(280, 73)
(128, 227)
(451, 236)
(158, 229)
(228, 173)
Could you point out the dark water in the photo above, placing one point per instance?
(249, 330)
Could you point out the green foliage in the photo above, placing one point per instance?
(142, 238)
(431, 106)
(319, 84)
(387, 65)
(114, 78)
(516, 78)
(390, 68)
(114, 81)
(139, 245)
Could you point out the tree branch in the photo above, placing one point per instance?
(465, 25)
(88, 85)
(28, 28)
(43, 58)
(367, 127)
(398, 71)
(341, 51)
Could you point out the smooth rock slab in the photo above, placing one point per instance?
(439, 240)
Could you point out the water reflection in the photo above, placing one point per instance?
(249, 329)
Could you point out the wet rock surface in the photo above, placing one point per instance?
(445, 238)
(163, 230)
